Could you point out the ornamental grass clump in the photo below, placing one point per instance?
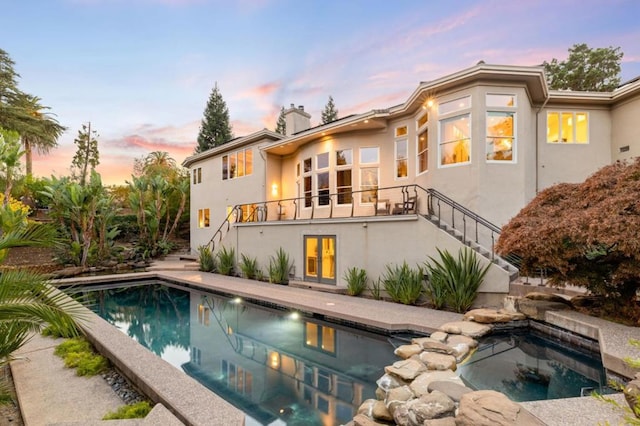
(79, 354)
(206, 260)
(403, 284)
(455, 282)
(279, 267)
(226, 261)
(356, 279)
(249, 267)
(138, 410)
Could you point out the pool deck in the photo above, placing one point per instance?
(188, 402)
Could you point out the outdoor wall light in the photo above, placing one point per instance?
(274, 189)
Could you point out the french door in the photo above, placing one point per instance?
(320, 258)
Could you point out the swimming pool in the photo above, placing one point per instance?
(283, 367)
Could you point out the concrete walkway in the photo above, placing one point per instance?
(50, 394)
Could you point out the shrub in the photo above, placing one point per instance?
(403, 284)
(279, 267)
(206, 260)
(356, 279)
(226, 261)
(78, 353)
(456, 280)
(133, 411)
(376, 289)
(249, 267)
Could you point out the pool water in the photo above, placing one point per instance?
(282, 367)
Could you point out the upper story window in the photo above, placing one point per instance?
(306, 182)
(369, 155)
(322, 178)
(455, 140)
(567, 127)
(203, 218)
(401, 152)
(454, 105)
(501, 100)
(197, 175)
(422, 144)
(500, 127)
(500, 136)
(237, 164)
(344, 162)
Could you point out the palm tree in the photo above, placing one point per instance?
(27, 302)
(36, 127)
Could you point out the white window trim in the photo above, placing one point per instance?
(493, 107)
(368, 166)
(455, 111)
(446, 118)
(395, 160)
(340, 168)
(360, 162)
(419, 130)
(514, 146)
(574, 127)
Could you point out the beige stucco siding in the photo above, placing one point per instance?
(625, 130)
(573, 162)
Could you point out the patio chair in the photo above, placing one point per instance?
(383, 207)
(406, 207)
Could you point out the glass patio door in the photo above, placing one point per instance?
(320, 258)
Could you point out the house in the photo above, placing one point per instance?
(446, 168)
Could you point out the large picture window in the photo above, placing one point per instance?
(237, 164)
(402, 150)
(369, 175)
(500, 136)
(567, 127)
(455, 140)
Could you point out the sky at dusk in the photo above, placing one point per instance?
(141, 71)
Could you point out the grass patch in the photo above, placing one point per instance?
(79, 354)
(138, 410)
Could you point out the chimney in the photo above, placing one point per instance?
(297, 119)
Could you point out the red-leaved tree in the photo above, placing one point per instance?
(584, 234)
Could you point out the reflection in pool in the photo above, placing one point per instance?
(282, 367)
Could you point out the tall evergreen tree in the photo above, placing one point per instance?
(86, 154)
(585, 69)
(214, 128)
(330, 113)
(281, 125)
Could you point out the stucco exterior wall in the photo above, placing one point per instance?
(573, 162)
(368, 244)
(625, 130)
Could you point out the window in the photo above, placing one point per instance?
(401, 158)
(422, 146)
(369, 176)
(500, 100)
(237, 378)
(197, 175)
(344, 162)
(401, 152)
(322, 178)
(237, 164)
(455, 140)
(306, 183)
(203, 315)
(567, 127)
(369, 155)
(500, 136)
(203, 218)
(454, 105)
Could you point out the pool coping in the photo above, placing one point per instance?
(172, 390)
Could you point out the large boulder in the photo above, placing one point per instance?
(632, 394)
(430, 406)
(487, 316)
(491, 408)
(466, 328)
(420, 386)
(537, 309)
(407, 369)
(438, 361)
(451, 389)
(407, 351)
(362, 420)
(381, 412)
